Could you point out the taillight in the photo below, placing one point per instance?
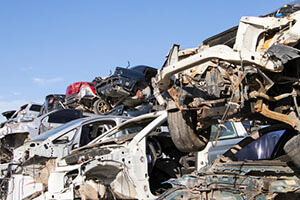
(139, 94)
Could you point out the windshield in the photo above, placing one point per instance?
(56, 130)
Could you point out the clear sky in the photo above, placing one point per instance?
(45, 45)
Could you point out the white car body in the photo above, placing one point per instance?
(130, 158)
(35, 152)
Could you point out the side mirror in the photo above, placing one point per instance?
(74, 146)
(61, 140)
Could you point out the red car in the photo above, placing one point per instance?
(81, 95)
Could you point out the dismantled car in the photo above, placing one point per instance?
(36, 156)
(131, 165)
(258, 167)
(26, 113)
(82, 95)
(58, 142)
(119, 167)
(13, 135)
(40, 152)
(127, 86)
(247, 72)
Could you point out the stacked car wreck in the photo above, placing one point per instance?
(250, 72)
(257, 78)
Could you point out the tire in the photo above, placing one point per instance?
(100, 107)
(292, 149)
(183, 133)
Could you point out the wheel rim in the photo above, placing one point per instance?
(103, 107)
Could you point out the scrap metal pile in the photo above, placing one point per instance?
(144, 133)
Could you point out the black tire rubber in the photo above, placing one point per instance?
(100, 107)
(292, 149)
(182, 132)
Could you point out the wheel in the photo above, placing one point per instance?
(292, 149)
(100, 107)
(183, 133)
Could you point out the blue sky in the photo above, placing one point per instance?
(47, 45)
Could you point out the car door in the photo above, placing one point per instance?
(65, 143)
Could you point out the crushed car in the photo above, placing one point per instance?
(248, 72)
(82, 95)
(129, 87)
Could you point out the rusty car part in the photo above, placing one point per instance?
(247, 72)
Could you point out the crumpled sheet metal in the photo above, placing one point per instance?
(233, 187)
